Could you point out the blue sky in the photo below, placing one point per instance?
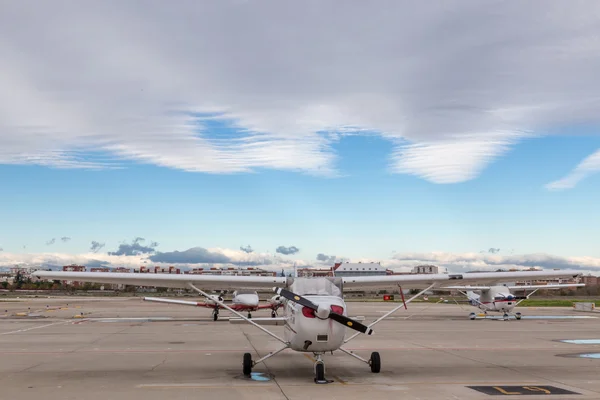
(416, 136)
(365, 212)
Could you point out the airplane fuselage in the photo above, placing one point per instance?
(306, 332)
(245, 301)
(495, 299)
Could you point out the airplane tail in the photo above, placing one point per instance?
(473, 298)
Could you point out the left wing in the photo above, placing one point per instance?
(180, 281)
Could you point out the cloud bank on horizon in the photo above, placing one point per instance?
(203, 257)
(447, 83)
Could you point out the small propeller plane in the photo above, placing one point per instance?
(242, 300)
(314, 312)
(500, 298)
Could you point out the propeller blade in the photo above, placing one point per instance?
(339, 318)
(295, 298)
(350, 323)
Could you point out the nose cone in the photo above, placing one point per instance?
(322, 311)
(247, 299)
(510, 297)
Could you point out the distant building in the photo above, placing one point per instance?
(232, 271)
(360, 269)
(314, 272)
(73, 268)
(429, 269)
(590, 280)
(99, 269)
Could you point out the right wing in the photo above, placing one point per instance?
(551, 286)
(415, 281)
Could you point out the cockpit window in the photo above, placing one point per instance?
(319, 286)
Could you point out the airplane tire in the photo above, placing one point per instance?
(249, 315)
(215, 317)
(247, 364)
(272, 315)
(319, 372)
(375, 362)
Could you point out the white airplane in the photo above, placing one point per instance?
(314, 313)
(242, 300)
(500, 298)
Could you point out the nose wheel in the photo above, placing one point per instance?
(320, 370)
(215, 314)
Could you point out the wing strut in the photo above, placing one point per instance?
(527, 296)
(404, 303)
(402, 295)
(268, 332)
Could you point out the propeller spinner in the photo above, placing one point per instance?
(323, 312)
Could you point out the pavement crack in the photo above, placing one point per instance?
(158, 365)
(266, 366)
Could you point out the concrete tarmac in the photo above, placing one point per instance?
(124, 348)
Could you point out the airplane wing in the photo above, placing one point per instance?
(416, 281)
(515, 287)
(552, 286)
(225, 282)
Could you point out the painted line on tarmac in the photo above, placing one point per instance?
(349, 383)
(35, 327)
(129, 351)
(199, 386)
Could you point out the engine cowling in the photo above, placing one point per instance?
(214, 297)
(276, 300)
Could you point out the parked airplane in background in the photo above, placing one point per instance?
(314, 312)
(242, 300)
(503, 298)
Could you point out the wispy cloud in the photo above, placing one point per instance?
(588, 166)
(65, 239)
(246, 249)
(51, 242)
(134, 248)
(448, 85)
(325, 258)
(96, 246)
(287, 250)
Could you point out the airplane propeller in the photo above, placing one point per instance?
(324, 312)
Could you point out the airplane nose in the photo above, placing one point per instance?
(510, 297)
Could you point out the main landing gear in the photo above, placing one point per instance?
(374, 363)
(215, 314)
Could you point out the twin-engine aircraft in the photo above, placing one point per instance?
(242, 300)
(503, 298)
(315, 316)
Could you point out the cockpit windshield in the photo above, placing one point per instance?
(315, 286)
(245, 291)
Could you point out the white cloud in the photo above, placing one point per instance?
(447, 83)
(488, 261)
(588, 166)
